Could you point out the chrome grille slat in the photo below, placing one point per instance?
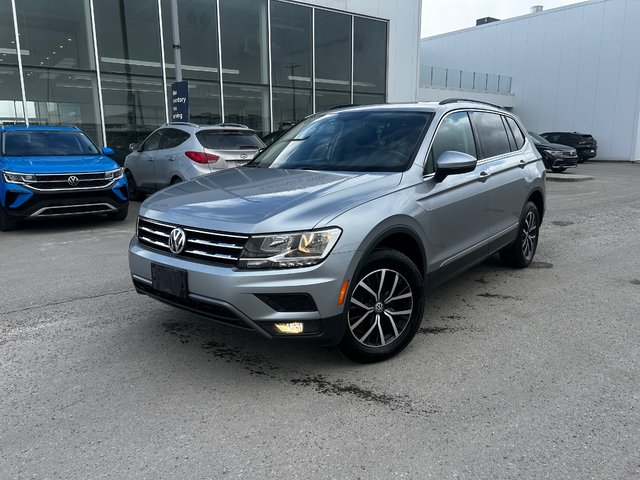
(206, 246)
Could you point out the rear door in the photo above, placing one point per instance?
(504, 159)
(234, 147)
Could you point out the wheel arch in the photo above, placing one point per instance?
(537, 198)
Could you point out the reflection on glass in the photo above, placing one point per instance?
(368, 99)
(329, 100)
(55, 34)
(204, 102)
(370, 56)
(243, 25)
(8, 52)
(133, 108)
(63, 97)
(248, 105)
(291, 45)
(11, 110)
(333, 51)
(290, 105)
(128, 36)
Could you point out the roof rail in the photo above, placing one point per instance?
(226, 124)
(457, 100)
(180, 123)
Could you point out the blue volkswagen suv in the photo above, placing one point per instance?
(56, 172)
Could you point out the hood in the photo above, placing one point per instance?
(556, 146)
(263, 200)
(62, 164)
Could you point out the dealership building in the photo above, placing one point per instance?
(107, 65)
(573, 68)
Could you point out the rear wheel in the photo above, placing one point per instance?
(520, 253)
(175, 180)
(558, 169)
(6, 222)
(384, 309)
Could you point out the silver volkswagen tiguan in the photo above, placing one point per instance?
(333, 233)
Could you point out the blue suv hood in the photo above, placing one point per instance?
(62, 164)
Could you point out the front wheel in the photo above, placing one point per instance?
(520, 253)
(6, 222)
(558, 169)
(384, 309)
(132, 187)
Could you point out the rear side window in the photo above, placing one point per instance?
(172, 137)
(454, 134)
(517, 133)
(491, 134)
(229, 140)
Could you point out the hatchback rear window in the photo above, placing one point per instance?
(229, 140)
(41, 143)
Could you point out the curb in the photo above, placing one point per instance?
(567, 177)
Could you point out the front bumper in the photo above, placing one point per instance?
(24, 203)
(253, 299)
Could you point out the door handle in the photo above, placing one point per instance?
(483, 176)
(523, 164)
(171, 159)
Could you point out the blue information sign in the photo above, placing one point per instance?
(180, 101)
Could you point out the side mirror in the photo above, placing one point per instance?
(108, 152)
(134, 147)
(453, 163)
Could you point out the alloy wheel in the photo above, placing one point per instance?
(380, 308)
(529, 235)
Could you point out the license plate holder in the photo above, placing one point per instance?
(169, 280)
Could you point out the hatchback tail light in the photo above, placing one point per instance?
(202, 157)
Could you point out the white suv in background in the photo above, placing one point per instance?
(182, 151)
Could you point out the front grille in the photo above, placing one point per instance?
(203, 245)
(61, 181)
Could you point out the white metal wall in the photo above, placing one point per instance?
(404, 39)
(574, 68)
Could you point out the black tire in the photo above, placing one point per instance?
(134, 193)
(119, 215)
(558, 169)
(582, 159)
(520, 253)
(175, 180)
(6, 222)
(387, 324)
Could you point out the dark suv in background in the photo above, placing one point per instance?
(584, 143)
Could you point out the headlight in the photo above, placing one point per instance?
(114, 174)
(555, 153)
(288, 250)
(19, 177)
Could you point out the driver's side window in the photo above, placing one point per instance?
(152, 142)
(455, 134)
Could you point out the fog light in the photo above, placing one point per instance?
(290, 328)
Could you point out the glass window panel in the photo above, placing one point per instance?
(438, 77)
(128, 36)
(55, 34)
(8, 53)
(290, 105)
(329, 100)
(11, 110)
(491, 134)
(333, 51)
(492, 83)
(243, 25)
(370, 56)
(63, 97)
(198, 39)
(466, 81)
(368, 99)
(248, 105)
(133, 108)
(291, 45)
(204, 102)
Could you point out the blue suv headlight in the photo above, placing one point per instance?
(114, 174)
(11, 177)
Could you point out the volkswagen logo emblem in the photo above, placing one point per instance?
(177, 240)
(73, 181)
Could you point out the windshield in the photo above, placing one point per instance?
(41, 143)
(229, 140)
(367, 141)
(537, 139)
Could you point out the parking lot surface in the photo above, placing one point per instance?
(532, 373)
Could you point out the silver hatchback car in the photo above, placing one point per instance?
(334, 232)
(181, 151)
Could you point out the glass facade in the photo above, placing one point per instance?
(107, 65)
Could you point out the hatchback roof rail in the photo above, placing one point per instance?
(226, 124)
(458, 100)
(180, 123)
